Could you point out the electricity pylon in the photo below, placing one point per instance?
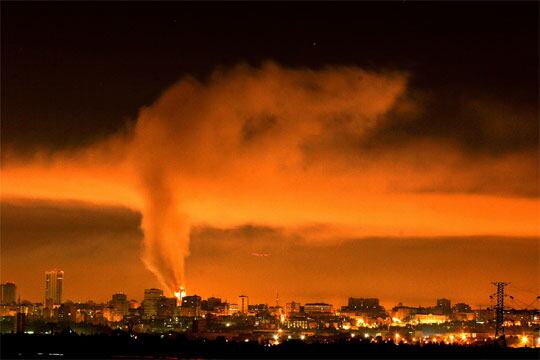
(499, 309)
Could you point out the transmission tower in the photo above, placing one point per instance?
(499, 309)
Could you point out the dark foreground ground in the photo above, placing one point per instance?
(154, 346)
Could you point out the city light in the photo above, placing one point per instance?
(161, 315)
(357, 181)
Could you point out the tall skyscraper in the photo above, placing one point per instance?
(8, 293)
(54, 282)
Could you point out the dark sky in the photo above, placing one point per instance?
(73, 72)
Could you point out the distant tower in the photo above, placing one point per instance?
(243, 302)
(8, 294)
(499, 309)
(54, 284)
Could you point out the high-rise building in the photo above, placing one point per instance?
(151, 302)
(243, 302)
(120, 304)
(54, 281)
(8, 293)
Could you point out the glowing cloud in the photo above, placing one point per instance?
(285, 147)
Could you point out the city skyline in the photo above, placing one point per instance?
(155, 300)
(368, 150)
(53, 297)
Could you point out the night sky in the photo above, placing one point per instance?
(76, 71)
(451, 99)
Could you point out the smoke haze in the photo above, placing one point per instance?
(290, 148)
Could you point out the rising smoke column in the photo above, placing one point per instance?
(166, 233)
(242, 126)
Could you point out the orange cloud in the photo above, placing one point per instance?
(283, 147)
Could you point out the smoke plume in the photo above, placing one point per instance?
(242, 121)
(290, 148)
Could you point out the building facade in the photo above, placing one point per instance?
(243, 303)
(8, 294)
(54, 286)
(120, 304)
(151, 302)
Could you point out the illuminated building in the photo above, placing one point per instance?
(179, 295)
(54, 282)
(134, 304)
(120, 304)
(292, 308)
(243, 302)
(150, 302)
(191, 306)
(464, 316)
(258, 308)
(317, 308)
(111, 315)
(166, 307)
(232, 309)
(429, 318)
(275, 311)
(296, 322)
(8, 293)
(403, 313)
